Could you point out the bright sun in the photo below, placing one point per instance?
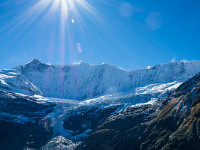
(68, 9)
(67, 17)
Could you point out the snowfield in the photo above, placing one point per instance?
(83, 81)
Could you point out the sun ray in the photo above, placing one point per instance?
(69, 16)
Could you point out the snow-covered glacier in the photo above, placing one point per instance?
(82, 81)
(13, 81)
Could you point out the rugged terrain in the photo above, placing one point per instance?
(83, 81)
(173, 123)
(84, 106)
(22, 122)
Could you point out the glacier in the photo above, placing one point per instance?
(82, 81)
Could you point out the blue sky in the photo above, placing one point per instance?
(128, 33)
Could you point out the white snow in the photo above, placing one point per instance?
(151, 102)
(60, 142)
(84, 81)
(11, 80)
(158, 88)
(81, 81)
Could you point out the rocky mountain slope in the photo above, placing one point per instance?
(173, 123)
(22, 122)
(178, 123)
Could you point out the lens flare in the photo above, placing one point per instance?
(67, 15)
(61, 21)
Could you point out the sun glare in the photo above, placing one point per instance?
(61, 14)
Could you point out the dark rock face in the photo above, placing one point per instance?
(116, 132)
(22, 122)
(87, 119)
(22, 105)
(19, 136)
(177, 125)
(172, 124)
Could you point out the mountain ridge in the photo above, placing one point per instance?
(81, 81)
(35, 60)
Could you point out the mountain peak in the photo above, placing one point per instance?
(35, 61)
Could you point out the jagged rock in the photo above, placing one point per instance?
(21, 122)
(173, 124)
